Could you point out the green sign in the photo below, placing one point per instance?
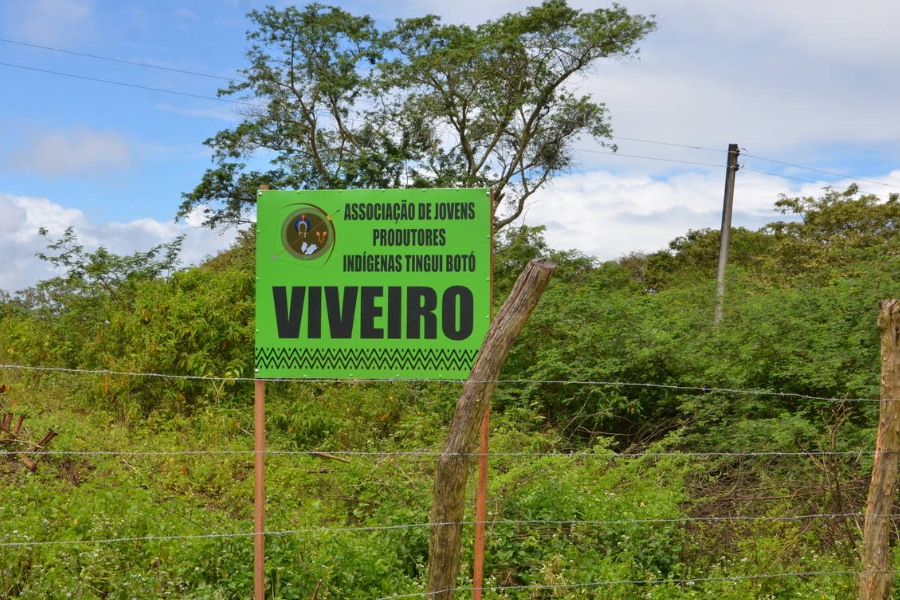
(385, 284)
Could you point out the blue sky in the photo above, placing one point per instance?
(806, 82)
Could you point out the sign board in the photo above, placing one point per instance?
(381, 284)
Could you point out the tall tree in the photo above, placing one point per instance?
(334, 102)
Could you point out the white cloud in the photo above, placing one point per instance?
(22, 216)
(78, 152)
(771, 75)
(51, 22)
(608, 216)
(821, 29)
(776, 77)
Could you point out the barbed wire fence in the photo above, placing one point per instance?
(10, 541)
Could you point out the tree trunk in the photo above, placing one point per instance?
(876, 577)
(453, 463)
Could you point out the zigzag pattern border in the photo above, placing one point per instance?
(370, 359)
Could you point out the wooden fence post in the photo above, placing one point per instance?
(453, 463)
(876, 577)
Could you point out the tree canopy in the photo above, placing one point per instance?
(835, 230)
(335, 102)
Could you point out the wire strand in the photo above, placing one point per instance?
(671, 160)
(129, 85)
(781, 175)
(407, 526)
(437, 453)
(815, 170)
(674, 145)
(683, 388)
(120, 60)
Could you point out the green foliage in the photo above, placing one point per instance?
(515, 247)
(302, 64)
(503, 89)
(588, 505)
(638, 449)
(99, 274)
(697, 254)
(603, 329)
(51, 322)
(116, 313)
(343, 104)
(835, 231)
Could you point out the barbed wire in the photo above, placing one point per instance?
(220, 379)
(5, 541)
(407, 526)
(438, 453)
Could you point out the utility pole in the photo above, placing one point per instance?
(725, 237)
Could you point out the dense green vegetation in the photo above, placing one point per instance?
(639, 449)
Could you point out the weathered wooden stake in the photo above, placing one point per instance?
(453, 463)
(876, 577)
(12, 437)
